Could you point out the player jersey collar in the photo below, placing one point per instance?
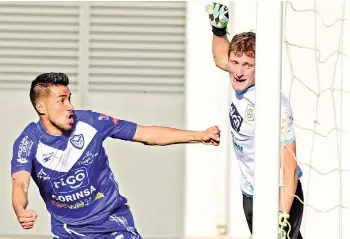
(241, 93)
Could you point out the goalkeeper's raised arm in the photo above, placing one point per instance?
(219, 18)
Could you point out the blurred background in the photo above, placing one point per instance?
(128, 59)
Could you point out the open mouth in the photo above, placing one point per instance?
(71, 118)
(239, 80)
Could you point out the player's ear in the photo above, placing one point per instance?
(40, 107)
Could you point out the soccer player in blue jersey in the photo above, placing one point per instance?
(64, 156)
(238, 59)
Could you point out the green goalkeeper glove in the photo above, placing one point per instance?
(218, 17)
(284, 226)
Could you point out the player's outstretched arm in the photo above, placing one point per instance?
(20, 183)
(219, 18)
(156, 135)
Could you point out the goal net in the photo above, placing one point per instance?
(316, 80)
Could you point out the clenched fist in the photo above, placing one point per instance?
(211, 136)
(27, 218)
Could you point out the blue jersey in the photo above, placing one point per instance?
(72, 170)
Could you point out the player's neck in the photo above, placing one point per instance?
(50, 128)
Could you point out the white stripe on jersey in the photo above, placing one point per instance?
(55, 159)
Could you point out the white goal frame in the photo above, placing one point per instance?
(269, 30)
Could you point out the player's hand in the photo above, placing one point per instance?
(282, 234)
(283, 226)
(218, 18)
(211, 136)
(27, 218)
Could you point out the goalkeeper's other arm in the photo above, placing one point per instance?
(219, 18)
(290, 176)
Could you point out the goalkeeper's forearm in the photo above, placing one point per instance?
(220, 47)
(219, 18)
(290, 181)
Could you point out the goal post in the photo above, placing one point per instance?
(268, 63)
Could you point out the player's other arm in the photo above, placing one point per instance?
(20, 185)
(219, 18)
(157, 135)
(288, 153)
(21, 168)
(290, 176)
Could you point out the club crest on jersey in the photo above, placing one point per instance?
(250, 113)
(77, 141)
(235, 118)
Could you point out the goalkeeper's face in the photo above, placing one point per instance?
(242, 71)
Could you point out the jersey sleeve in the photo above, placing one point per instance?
(23, 154)
(287, 131)
(112, 127)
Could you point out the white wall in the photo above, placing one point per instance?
(212, 193)
(125, 59)
(205, 106)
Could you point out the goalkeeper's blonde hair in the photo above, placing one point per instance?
(243, 43)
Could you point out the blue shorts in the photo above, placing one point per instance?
(117, 225)
(114, 235)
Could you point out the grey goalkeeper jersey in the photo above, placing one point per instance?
(242, 126)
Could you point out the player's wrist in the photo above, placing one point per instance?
(18, 208)
(283, 214)
(219, 31)
(200, 136)
(19, 212)
(194, 136)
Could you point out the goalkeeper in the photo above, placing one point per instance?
(238, 59)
